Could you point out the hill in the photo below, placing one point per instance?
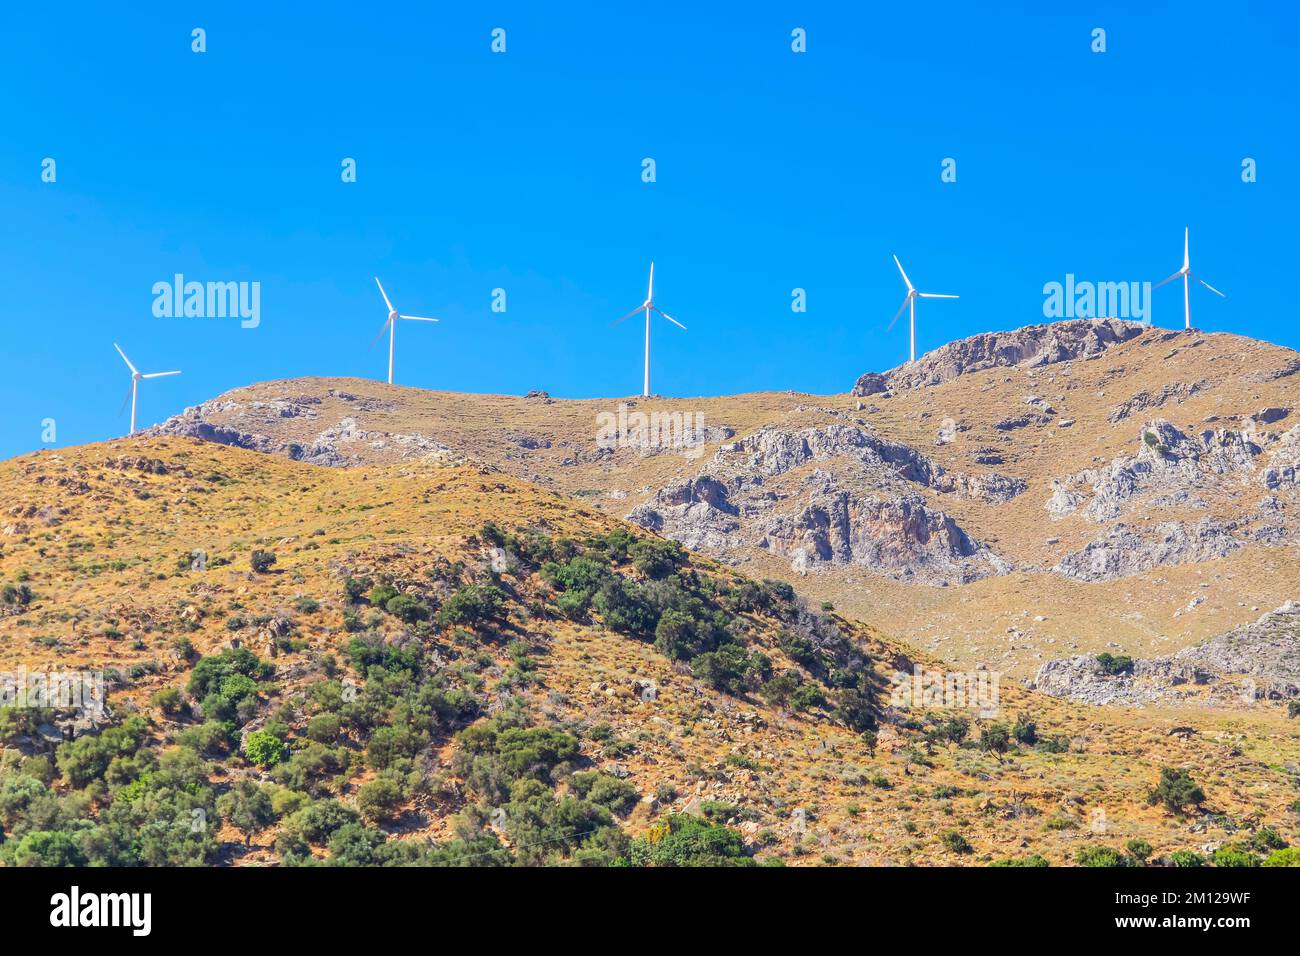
(1008, 499)
(435, 661)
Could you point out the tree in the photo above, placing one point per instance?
(248, 807)
(995, 739)
(1176, 790)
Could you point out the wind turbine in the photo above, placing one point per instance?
(136, 376)
(1186, 273)
(910, 303)
(648, 305)
(390, 324)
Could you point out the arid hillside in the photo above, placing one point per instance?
(1074, 488)
(434, 661)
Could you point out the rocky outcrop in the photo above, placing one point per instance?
(834, 494)
(1125, 550)
(341, 445)
(1145, 401)
(1167, 462)
(1257, 661)
(1032, 346)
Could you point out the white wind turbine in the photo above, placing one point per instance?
(136, 376)
(1186, 273)
(910, 303)
(648, 305)
(390, 324)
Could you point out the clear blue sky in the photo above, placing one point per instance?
(522, 171)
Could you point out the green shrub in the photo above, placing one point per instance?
(264, 748)
(1031, 860)
(1101, 856)
(1113, 665)
(954, 842)
(1186, 858)
(407, 608)
(473, 604)
(261, 561)
(1288, 857)
(1176, 790)
(379, 799)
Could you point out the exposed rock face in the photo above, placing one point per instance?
(900, 537)
(339, 446)
(835, 494)
(1259, 660)
(1124, 550)
(1166, 461)
(1145, 401)
(1033, 345)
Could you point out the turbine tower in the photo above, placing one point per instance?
(648, 306)
(910, 304)
(1188, 275)
(136, 377)
(390, 324)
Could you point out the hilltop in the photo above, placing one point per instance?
(435, 661)
(1077, 487)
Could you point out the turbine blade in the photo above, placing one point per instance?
(382, 329)
(384, 294)
(133, 369)
(1170, 279)
(904, 274)
(159, 374)
(418, 318)
(668, 317)
(1207, 285)
(1187, 262)
(937, 295)
(126, 401)
(650, 289)
(901, 310)
(638, 309)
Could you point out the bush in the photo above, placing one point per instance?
(995, 739)
(261, 561)
(1186, 858)
(1234, 856)
(323, 728)
(473, 604)
(684, 840)
(657, 559)
(168, 700)
(1176, 790)
(606, 790)
(1025, 731)
(730, 669)
(954, 842)
(1139, 850)
(407, 608)
(1113, 665)
(1101, 856)
(379, 799)
(248, 807)
(264, 748)
(1031, 860)
(1287, 857)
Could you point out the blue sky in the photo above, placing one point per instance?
(522, 171)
